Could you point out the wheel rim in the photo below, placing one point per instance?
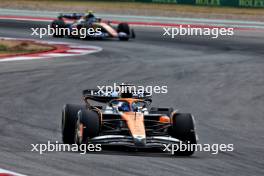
(78, 133)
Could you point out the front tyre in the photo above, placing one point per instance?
(69, 118)
(183, 128)
(123, 31)
(87, 126)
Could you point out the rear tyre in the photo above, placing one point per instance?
(69, 118)
(58, 24)
(183, 128)
(87, 126)
(123, 28)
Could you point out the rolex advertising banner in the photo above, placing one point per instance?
(233, 3)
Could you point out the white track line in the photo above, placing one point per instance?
(3, 171)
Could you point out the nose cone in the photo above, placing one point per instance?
(140, 140)
(135, 123)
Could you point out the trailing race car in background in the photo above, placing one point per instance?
(102, 30)
(126, 120)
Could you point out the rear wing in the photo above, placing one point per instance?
(105, 97)
(97, 95)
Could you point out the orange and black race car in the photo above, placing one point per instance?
(128, 120)
(81, 25)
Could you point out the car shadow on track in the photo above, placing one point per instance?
(97, 40)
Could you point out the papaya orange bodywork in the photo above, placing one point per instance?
(164, 119)
(135, 122)
(109, 29)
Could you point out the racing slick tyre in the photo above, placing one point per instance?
(69, 119)
(183, 128)
(123, 28)
(87, 126)
(58, 24)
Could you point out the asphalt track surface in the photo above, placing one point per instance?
(220, 81)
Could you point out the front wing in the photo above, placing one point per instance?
(121, 140)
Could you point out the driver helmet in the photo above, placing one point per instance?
(89, 14)
(125, 107)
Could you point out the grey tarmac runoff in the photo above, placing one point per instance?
(220, 81)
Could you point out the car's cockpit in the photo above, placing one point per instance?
(127, 105)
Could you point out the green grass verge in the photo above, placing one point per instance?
(11, 47)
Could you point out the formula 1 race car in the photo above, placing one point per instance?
(80, 25)
(126, 120)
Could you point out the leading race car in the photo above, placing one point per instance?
(80, 25)
(126, 120)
